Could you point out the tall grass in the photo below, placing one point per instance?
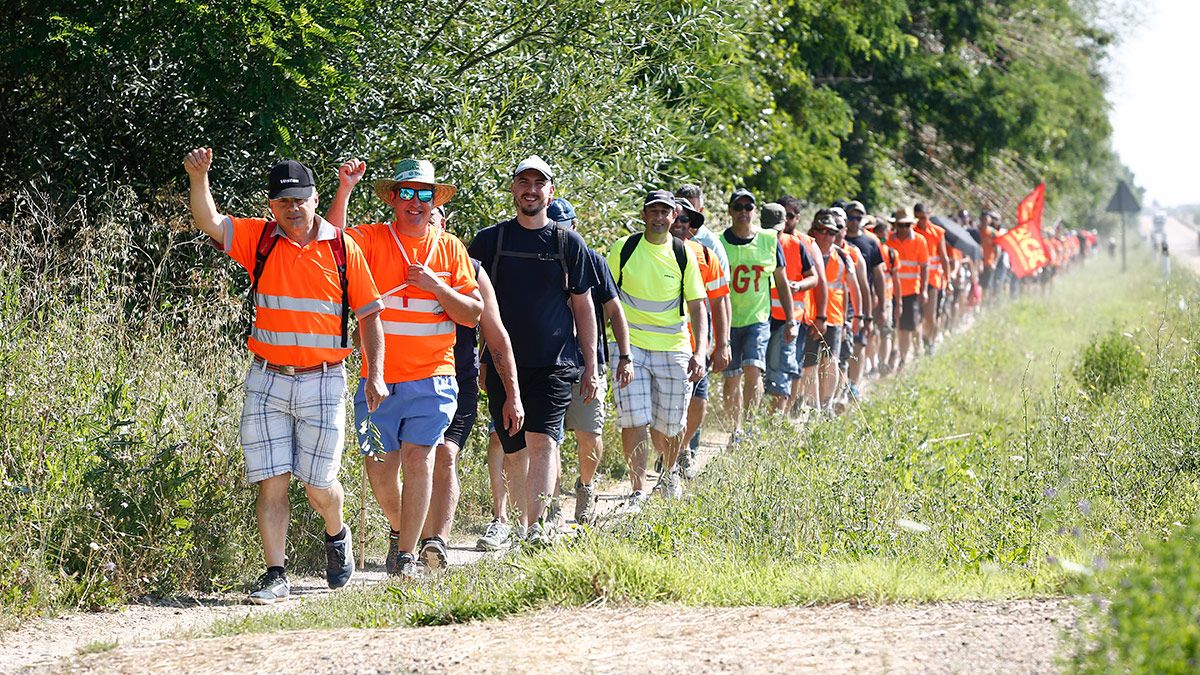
(121, 361)
(988, 470)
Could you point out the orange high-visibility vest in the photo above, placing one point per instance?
(836, 278)
(793, 256)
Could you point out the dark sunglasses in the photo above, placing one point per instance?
(407, 193)
(792, 214)
(683, 218)
(854, 218)
(745, 206)
(823, 231)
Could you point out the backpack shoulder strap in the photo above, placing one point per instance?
(626, 252)
(338, 246)
(681, 259)
(561, 241)
(495, 269)
(266, 244)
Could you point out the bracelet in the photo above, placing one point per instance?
(820, 318)
(624, 357)
(867, 319)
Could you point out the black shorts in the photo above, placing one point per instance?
(829, 345)
(910, 312)
(847, 348)
(545, 395)
(939, 300)
(466, 413)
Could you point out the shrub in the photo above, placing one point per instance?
(1112, 361)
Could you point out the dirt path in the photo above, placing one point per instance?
(45, 641)
(976, 637)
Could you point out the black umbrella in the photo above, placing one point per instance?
(958, 237)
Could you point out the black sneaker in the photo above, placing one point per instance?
(406, 566)
(433, 553)
(339, 559)
(272, 587)
(389, 563)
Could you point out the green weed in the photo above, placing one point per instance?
(1110, 362)
(984, 472)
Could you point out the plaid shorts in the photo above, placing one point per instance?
(659, 393)
(294, 424)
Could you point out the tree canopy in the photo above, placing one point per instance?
(963, 103)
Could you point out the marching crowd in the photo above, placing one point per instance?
(545, 325)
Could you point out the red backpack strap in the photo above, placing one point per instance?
(338, 246)
(266, 244)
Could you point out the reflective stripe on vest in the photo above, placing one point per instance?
(422, 305)
(644, 305)
(327, 307)
(409, 328)
(665, 330)
(287, 339)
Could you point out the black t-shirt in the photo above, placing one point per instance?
(466, 346)
(533, 305)
(739, 241)
(604, 290)
(869, 250)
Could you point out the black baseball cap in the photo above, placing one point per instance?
(739, 193)
(290, 179)
(659, 197)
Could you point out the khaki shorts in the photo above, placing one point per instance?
(586, 417)
(659, 393)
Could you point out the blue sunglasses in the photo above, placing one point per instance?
(407, 193)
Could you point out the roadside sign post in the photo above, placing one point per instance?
(1124, 203)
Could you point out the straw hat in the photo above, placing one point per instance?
(902, 215)
(415, 171)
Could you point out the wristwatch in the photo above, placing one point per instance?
(624, 357)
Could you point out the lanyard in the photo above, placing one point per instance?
(437, 235)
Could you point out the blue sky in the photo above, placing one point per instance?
(1155, 97)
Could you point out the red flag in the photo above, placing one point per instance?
(1024, 244)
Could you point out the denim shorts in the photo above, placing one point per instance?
(824, 346)
(417, 412)
(783, 359)
(748, 347)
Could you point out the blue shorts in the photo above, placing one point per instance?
(747, 347)
(700, 388)
(417, 412)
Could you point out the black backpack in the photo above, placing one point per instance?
(266, 244)
(680, 259)
(560, 239)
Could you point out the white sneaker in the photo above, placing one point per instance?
(635, 502)
(539, 536)
(496, 537)
(674, 488)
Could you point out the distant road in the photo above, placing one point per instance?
(1181, 241)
